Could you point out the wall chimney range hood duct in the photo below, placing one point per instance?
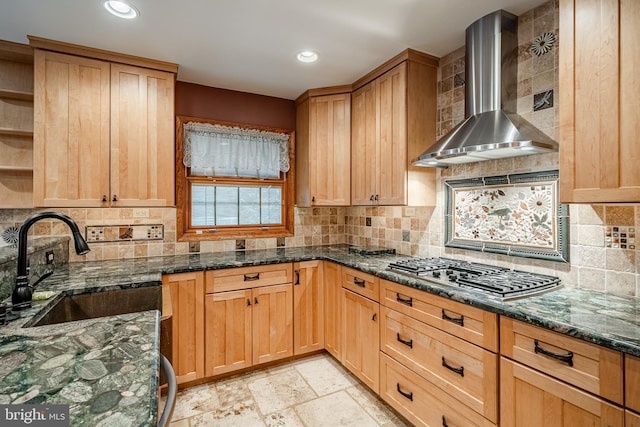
(491, 128)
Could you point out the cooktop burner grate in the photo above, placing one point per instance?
(488, 279)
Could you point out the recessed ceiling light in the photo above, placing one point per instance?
(121, 9)
(307, 56)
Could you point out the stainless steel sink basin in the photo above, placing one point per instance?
(100, 304)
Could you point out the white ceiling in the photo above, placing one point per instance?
(250, 45)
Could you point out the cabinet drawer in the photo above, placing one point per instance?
(632, 382)
(361, 283)
(420, 402)
(231, 279)
(464, 370)
(529, 398)
(469, 323)
(588, 366)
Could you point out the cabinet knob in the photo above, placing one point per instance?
(313, 199)
(104, 197)
(255, 300)
(248, 302)
(115, 198)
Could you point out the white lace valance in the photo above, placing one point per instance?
(216, 150)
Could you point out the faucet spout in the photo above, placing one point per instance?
(22, 293)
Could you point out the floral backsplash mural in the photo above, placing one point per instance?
(512, 214)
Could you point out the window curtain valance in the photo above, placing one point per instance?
(217, 150)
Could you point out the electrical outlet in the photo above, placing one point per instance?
(141, 213)
(409, 211)
(49, 256)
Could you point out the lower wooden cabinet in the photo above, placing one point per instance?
(308, 307)
(187, 300)
(632, 382)
(272, 322)
(529, 398)
(361, 338)
(467, 372)
(422, 403)
(228, 331)
(333, 309)
(248, 327)
(631, 419)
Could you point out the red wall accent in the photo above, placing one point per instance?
(206, 102)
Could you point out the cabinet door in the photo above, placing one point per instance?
(272, 323)
(308, 307)
(361, 338)
(187, 300)
(631, 419)
(227, 331)
(142, 136)
(71, 130)
(330, 150)
(530, 398)
(333, 309)
(391, 92)
(364, 148)
(600, 101)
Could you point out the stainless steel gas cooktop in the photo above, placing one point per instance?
(488, 279)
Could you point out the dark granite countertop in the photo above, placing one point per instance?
(110, 365)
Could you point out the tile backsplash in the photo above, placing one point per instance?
(595, 261)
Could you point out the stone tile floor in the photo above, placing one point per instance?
(312, 392)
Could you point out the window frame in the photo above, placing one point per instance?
(183, 193)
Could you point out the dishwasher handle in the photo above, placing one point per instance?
(172, 388)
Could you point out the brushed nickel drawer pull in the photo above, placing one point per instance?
(249, 277)
(459, 371)
(407, 395)
(458, 320)
(401, 300)
(359, 282)
(408, 343)
(566, 358)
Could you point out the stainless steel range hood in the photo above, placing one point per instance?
(491, 129)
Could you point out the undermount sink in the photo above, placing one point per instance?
(99, 304)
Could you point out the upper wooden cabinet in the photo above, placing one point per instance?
(16, 125)
(103, 131)
(599, 101)
(323, 129)
(393, 121)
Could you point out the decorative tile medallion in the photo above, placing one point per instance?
(543, 100)
(618, 237)
(515, 215)
(119, 233)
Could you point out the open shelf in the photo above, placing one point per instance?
(16, 94)
(18, 132)
(15, 169)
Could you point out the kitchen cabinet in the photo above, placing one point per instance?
(308, 307)
(420, 402)
(103, 132)
(632, 382)
(393, 120)
(228, 331)
(465, 371)
(323, 135)
(361, 338)
(631, 419)
(333, 309)
(250, 321)
(531, 398)
(599, 101)
(16, 125)
(187, 303)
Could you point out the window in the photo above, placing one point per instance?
(233, 181)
